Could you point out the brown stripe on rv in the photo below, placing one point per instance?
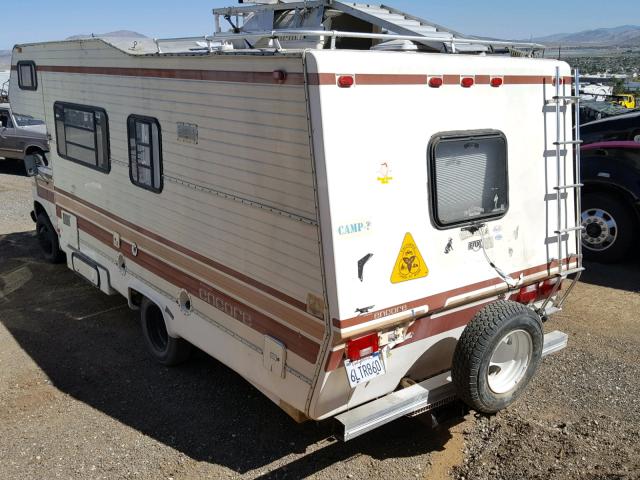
(45, 193)
(181, 74)
(304, 322)
(189, 253)
(419, 79)
(292, 78)
(297, 343)
(390, 79)
(438, 301)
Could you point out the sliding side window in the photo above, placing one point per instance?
(145, 152)
(469, 180)
(82, 135)
(27, 76)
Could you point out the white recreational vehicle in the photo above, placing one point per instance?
(362, 213)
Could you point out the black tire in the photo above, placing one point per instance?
(48, 239)
(471, 359)
(163, 348)
(606, 207)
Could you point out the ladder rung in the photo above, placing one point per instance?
(568, 230)
(571, 271)
(567, 187)
(569, 142)
(565, 98)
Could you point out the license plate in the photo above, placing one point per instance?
(363, 370)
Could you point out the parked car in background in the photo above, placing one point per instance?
(22, 135)
(611, 195)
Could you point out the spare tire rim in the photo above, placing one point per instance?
(509, 361)
(600, 229)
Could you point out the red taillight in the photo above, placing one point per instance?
(546, 287)
(345, 81)
(497, 82)
(436, 82)
(361, 347)
(528, 294)
(467, 82)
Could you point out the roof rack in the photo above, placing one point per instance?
(320, 19)
(448, 39)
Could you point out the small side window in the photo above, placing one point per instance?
(82, 135)
(145, 152)
(469, 180)
(27, 75)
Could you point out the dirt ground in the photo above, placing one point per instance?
(80, 398)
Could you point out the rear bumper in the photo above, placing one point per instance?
(419, 398)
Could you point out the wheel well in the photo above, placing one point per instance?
(38, 208)
(619, 193)
(34, 149)
(135, 299)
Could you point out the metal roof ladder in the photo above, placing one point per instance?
(564, 230)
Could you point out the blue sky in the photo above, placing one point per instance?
(39, 20)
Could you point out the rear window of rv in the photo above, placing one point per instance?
(27, 76)
(469, 179)
(82, 135)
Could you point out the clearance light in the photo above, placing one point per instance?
(362, 347)
(467, 82)
(497, 82)
(279, 76)
(436, 82)
(346, 81)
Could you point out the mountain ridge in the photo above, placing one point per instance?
(620, 36)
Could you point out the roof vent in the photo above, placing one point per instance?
(396, 46)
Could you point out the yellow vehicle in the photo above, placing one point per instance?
(626, 100)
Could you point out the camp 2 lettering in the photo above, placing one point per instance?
(354, 228)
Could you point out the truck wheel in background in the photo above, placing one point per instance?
(164, 348)
(48, 239)
(609, 228)
(497, 355)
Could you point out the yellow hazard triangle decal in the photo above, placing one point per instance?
(410, 264)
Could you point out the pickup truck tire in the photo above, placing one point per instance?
(164, 348)
(48, 239)
(497, 355)
(609, 228)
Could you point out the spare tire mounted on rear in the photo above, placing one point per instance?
(497, 355)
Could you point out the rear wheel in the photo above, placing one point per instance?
(608, 228)
(48, 239)
(164, 348)
(497, 355)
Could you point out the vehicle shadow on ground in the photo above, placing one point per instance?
(621, 276)
(90, 347)
(12, 167)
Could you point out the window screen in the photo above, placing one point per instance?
(469, 177)
(82, 135)
(27, 79)
(145, 152)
